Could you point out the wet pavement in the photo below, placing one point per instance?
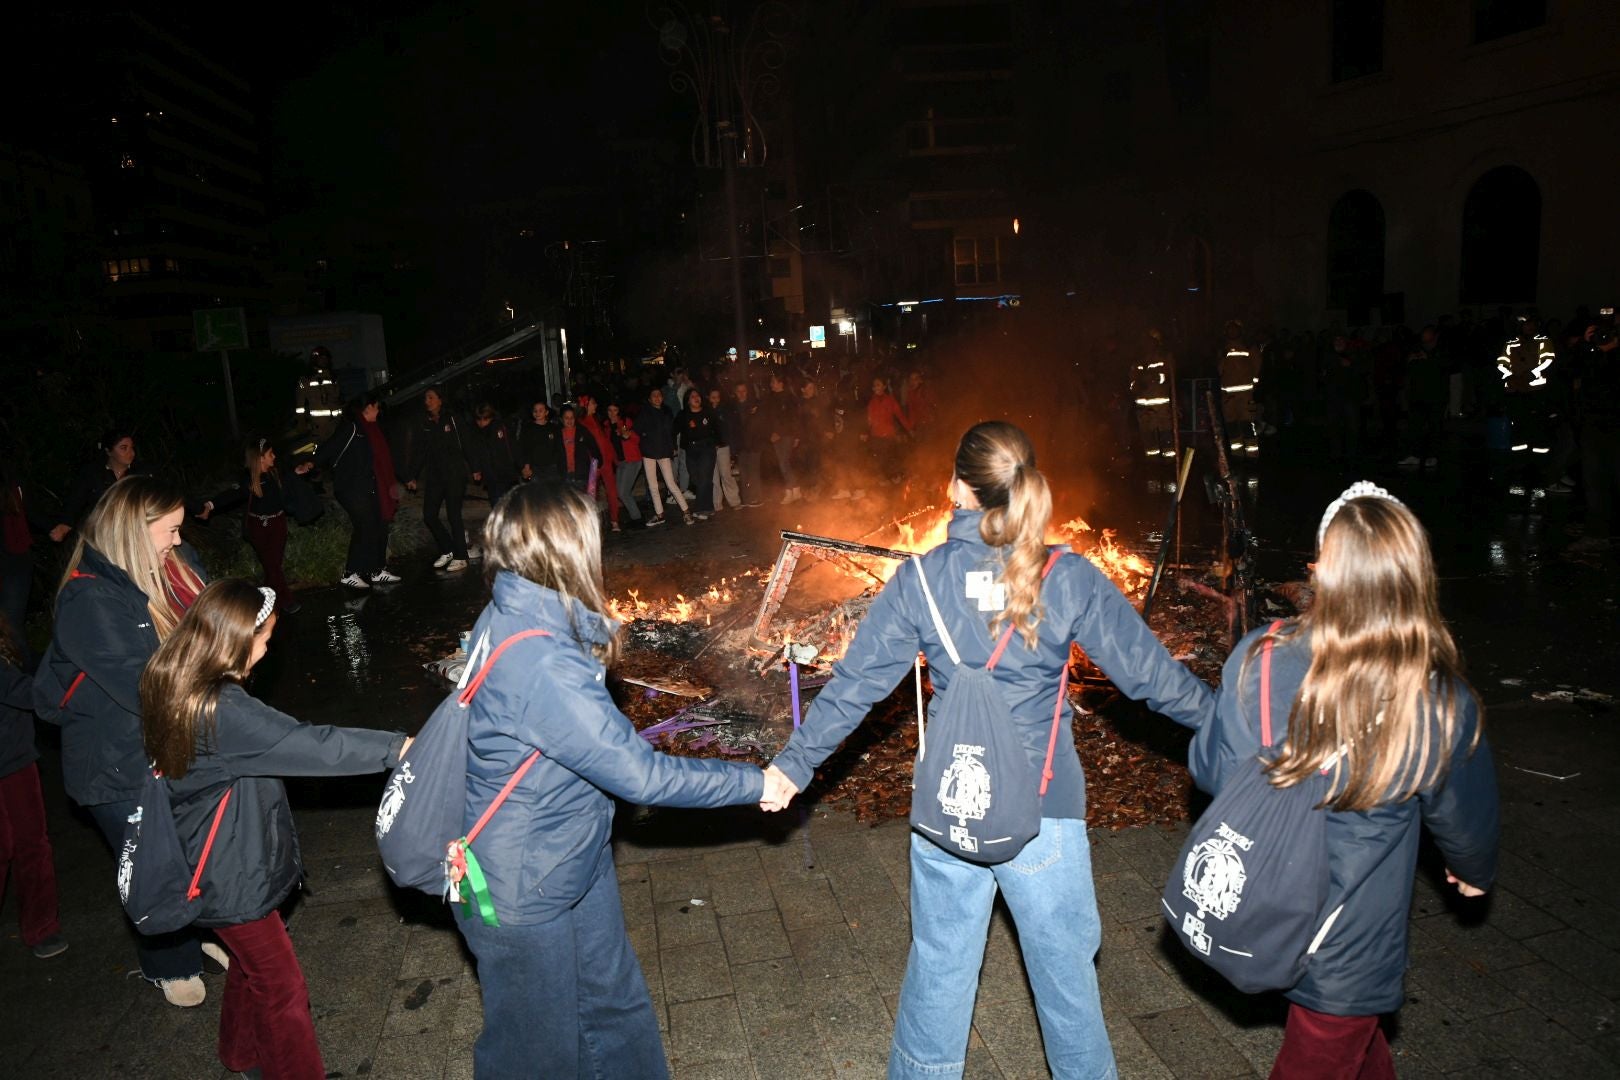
(771, 954)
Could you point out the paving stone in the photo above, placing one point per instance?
(1572, 1003)
(1432, 1029)
(681, 922)
(1012, 1033)
(785, 862)
(826, 951)
(806, 902)
(707, 1031)
(844, 1008)
(1519, 918)
(422, 1005)
(1524, 877)
(1596, 918)
(679, 879)
(1580, 956)
(1126, 896)
(737, 882)
(433, 951)
(694, 972)
(755, 936)
(1189, 1045)
(714, 1070)
(981, 1065)
(412, 1057)
(1483, 945)
(635, 897)
(1136, 985)
(1132, 1055)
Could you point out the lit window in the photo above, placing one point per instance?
(978, 260)
(114, 269)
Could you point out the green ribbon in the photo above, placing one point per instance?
(476, 888)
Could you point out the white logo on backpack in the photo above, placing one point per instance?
(1213, 877)
(964, 792)
(394, 798)
(126, 869)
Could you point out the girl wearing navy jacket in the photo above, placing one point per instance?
(564, 995)
(209, 737)
(128, 583)
(1372, 685)
(985, 577)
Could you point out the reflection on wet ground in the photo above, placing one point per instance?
(1523, 607)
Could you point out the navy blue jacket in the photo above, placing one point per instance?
(16, 719)
(255, 862)
(104, 632)
(1081, 605)
(1360, 967)
(346, 456)
(548, 843)
(657, 430)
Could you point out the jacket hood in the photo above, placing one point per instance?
(517, 595)
(97, 565)
(965, 526)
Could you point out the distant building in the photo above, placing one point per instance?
(1335, 162)
(169, 141)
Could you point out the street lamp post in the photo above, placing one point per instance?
(730, 75)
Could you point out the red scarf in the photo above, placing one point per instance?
(382, 466)
(569, 437)
(14, 536)
(181, 591)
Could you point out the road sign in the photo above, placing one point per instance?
(217, 329)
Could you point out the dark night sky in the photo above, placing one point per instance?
(457, 102)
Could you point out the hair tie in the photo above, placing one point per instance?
(1361, 489)
(269, 605)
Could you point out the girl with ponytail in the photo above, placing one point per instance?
(987, 577)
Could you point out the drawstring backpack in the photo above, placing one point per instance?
(973, 795)
(419, 819)
(152, 861)
(1247, 894)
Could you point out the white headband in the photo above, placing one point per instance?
(264, 611)
(1361, 489)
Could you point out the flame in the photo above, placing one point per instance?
(682, 608)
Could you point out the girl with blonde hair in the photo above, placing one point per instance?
(128, 582)
(211, 739)
(563, 994)
(1372, 685)
(987, 577)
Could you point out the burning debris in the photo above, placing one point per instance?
(725, 645)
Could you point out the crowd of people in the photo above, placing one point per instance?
(148, 663)
(1543, 391)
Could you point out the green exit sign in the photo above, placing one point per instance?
(217, 329)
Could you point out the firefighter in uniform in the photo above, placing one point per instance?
(320, 403)
(1240, 375)
(1526, 394)
(1150, 389)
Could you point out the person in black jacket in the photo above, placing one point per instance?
(127, 584)
(346, 457)
(264, 518)
(491, 453)
(92, 481)
(700, 436)
(657, 430)
(210, 739)
(1372, 685)
(539, 451)
(439, 463)
(25, 846)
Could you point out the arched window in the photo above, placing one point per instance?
(1355, 253)
(1501, 238)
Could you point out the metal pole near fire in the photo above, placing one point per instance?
(1172, 529)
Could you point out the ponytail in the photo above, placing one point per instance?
(996, 460)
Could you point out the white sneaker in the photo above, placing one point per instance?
(840, 494)
(442, 561)
(217, 954)
(385, 577)
(1410, 461)
(186, 993)
(354, 581)
(791, 495)
(474, 552)
(455, 566)
(1431, 463)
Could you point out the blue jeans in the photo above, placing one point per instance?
(1049, 892)
(565, 999)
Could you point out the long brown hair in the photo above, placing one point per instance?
(550, 534)
(118, 529)
(180, 687)
(997, 460)
(1382, 689)
(253, 455)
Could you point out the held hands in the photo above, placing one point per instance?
(1451, 879)
(59, 533)
(779, 790)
